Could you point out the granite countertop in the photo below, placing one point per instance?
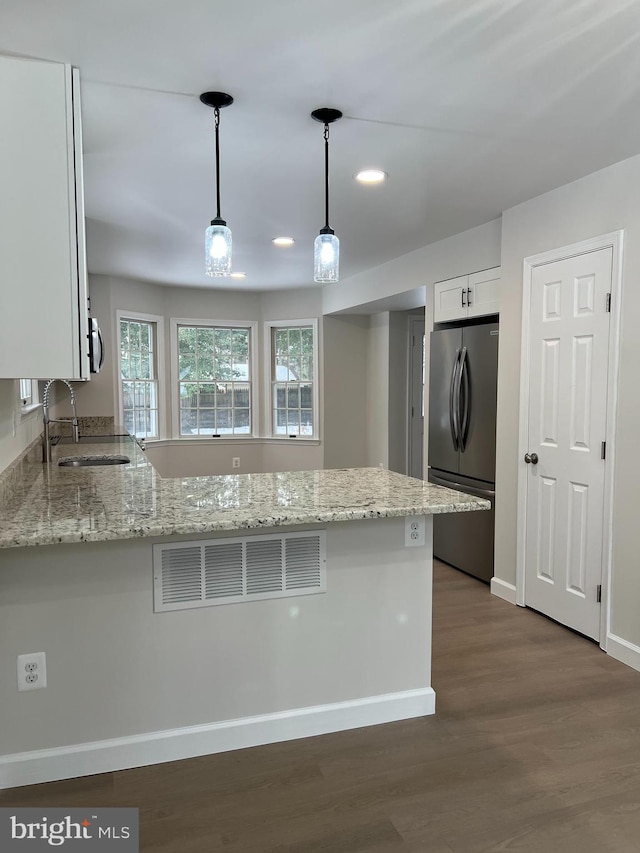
(49, 505)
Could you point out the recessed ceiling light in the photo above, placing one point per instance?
(238, 275)
(371, 176)
(283, 241)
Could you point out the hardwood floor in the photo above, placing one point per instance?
(535, 748)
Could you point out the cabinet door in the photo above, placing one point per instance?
(484, 292)
(40, 306)
(450, 299)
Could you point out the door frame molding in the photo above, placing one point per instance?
(615, 241)
(414, 320)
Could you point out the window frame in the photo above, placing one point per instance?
(269, 326)
(158, 322)
(254, 378)
(31, 402)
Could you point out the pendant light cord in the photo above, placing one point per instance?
(217, 125)
(326, 173)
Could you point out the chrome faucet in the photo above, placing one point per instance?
(46, 439)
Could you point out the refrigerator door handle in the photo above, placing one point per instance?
(489, 494)
(457, 412)
(466, 408)
(454, 411)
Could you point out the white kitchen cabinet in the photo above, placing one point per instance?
(43, 291)
(473, 295)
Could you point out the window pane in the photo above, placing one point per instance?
(280, 396)
(127, 395)
(306, 368)
(134, 336)
(187, 366)
(188, 421)
(206, 396)
(144, 335)
(241, 346)
(241, 395)
(128, 422)
(207, 421)
(281, 337)
(306, 396)
(224, 420)
(125, 371)
(186, 340)
(205, 367)
(307, 341)
(241, 420)
(293, 397)
(306, 422)
(281, 421)
(224, 394)
(204, 341)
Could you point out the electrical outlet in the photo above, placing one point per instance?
(235, 462)
(32, 671)
(414, 530)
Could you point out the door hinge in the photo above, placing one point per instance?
(608, 302)
(599, 593)
(603, 450)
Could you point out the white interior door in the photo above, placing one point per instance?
(568, 366)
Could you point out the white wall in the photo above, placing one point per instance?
(116, 668)
(605, 201)
(476, 249)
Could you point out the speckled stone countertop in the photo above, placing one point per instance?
(51, 504)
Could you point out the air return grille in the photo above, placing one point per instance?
(225, 571)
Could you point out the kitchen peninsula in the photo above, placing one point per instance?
(130, 683)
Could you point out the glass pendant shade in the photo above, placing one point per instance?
(217, 247)
(326, 258)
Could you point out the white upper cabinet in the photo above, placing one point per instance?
(471, 295)
(43, 291)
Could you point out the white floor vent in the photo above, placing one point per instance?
(225, 571)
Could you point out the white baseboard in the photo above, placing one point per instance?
(623, 651)
(504, 590)
(86, 759)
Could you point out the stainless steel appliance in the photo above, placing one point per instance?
(96, 346)
(462, 440)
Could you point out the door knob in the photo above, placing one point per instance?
(531, 458)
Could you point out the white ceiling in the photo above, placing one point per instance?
(471, 106)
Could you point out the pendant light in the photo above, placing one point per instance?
(326, 249)
(217, 236)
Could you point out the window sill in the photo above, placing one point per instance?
(231, 439)
(25, 411)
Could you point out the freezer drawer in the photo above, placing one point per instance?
(465, 540)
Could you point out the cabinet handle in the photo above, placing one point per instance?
(469, 296)
(462, 294)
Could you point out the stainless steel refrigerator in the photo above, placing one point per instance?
(463, 374)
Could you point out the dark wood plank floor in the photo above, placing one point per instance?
(535, 748)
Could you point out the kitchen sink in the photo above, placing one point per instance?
(85, 461)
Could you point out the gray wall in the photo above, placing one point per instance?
(345, 391)
(605, 201)
(115, 668)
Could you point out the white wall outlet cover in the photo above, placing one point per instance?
(235, 461)
(414, 530)
(32, 671)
